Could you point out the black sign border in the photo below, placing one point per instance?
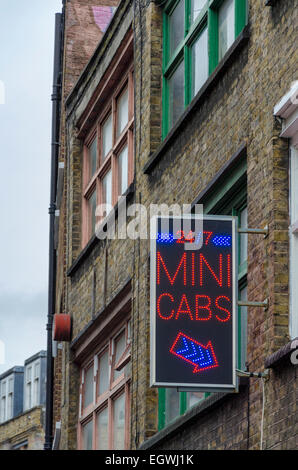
(233, 387)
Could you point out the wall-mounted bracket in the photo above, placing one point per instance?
(246, 303)
(258, 231)
(258, 375)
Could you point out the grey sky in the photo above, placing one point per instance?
(26, 64)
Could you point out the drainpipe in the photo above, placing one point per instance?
(56, 99)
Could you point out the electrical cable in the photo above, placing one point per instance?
(263, 412)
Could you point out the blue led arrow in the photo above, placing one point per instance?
(188, 349)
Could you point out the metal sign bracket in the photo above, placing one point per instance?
(257, 231)
(264, 304)
(258, 375)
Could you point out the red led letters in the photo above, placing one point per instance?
(195, 270)
(203, 309)
(199, 269)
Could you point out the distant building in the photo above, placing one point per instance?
(11, 389)
(22, 401)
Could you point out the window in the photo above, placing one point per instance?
(197, 34)
(3, 401)
(36, 386)
(293, 241)
(32, 385)
(28, 388)
(235, 203)
(10, 398)
(108, 155)
(104, 408)
(6, 399)
(226, 27)
(172, 404)
(287, 110)
(227, 199)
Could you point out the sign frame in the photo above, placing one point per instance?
(233, 387)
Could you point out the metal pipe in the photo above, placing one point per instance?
(56, 99)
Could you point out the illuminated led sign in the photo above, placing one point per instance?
(194, 292)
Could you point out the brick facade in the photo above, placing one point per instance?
(233, 110)
(237, 110)
(26, 430)
(81, 36)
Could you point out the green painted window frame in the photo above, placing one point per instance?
(162, 406)
(229, 198)
(207, 18)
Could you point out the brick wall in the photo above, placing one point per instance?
(85, 24)
(109, 264)
(29, 426)
(238, 110)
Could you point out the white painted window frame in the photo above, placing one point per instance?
(287, 111)
(8, 414)
(34, 400)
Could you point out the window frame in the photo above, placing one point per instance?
(93, 182)
(6, 416)
(116, 388)
(207, 18)
(32, 365)
(293, 240)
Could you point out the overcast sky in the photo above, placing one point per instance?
(26, 70)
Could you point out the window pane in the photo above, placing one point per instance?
(93, 156)
(243, 329)
(3, 388)
(29, 374)
(123, 171)
(176, 94)
(3, 409)
(107, 188)
(122, 112)
(120, 344)
(226, 27)
(172, 410)
(119, 423)
(200, 62)
(107, 137)
(36, 392)
(36, 370)
(102, 430)
(10, 385)
(10, 406)
(176, 22)
(88, 436)
(88, 386)
(104, 373)
(196, 8)
(193, 397)
(92, 209)
(29, 392)
(243, 237)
